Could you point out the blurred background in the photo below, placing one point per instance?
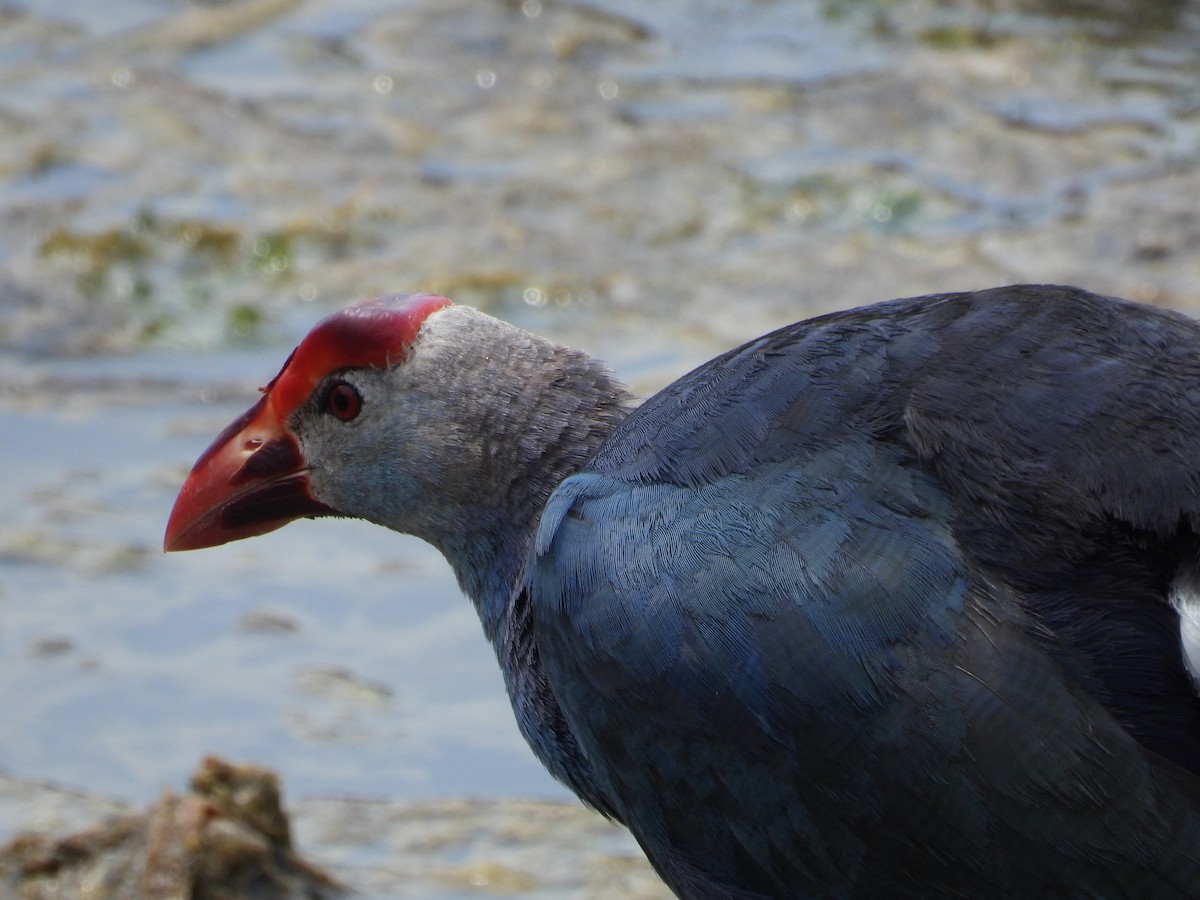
(185, 187)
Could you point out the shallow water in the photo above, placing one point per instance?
(128, 663)
(186, 187)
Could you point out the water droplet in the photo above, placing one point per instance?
(535, 296)
(881, 213)
(383, 84)
(122, 78)
(531, 8)
(485, 78)
(308, 292)
(608, 90)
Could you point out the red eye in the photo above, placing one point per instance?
(343, 401)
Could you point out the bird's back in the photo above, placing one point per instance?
(880, 605)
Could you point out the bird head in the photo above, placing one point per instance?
(330, 409)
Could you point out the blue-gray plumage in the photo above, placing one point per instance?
(897, 602)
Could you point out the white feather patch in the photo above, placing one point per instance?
(1186, 600)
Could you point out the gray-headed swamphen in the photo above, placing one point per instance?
(898, 602)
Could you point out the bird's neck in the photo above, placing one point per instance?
(528, 413)
(524, 414)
